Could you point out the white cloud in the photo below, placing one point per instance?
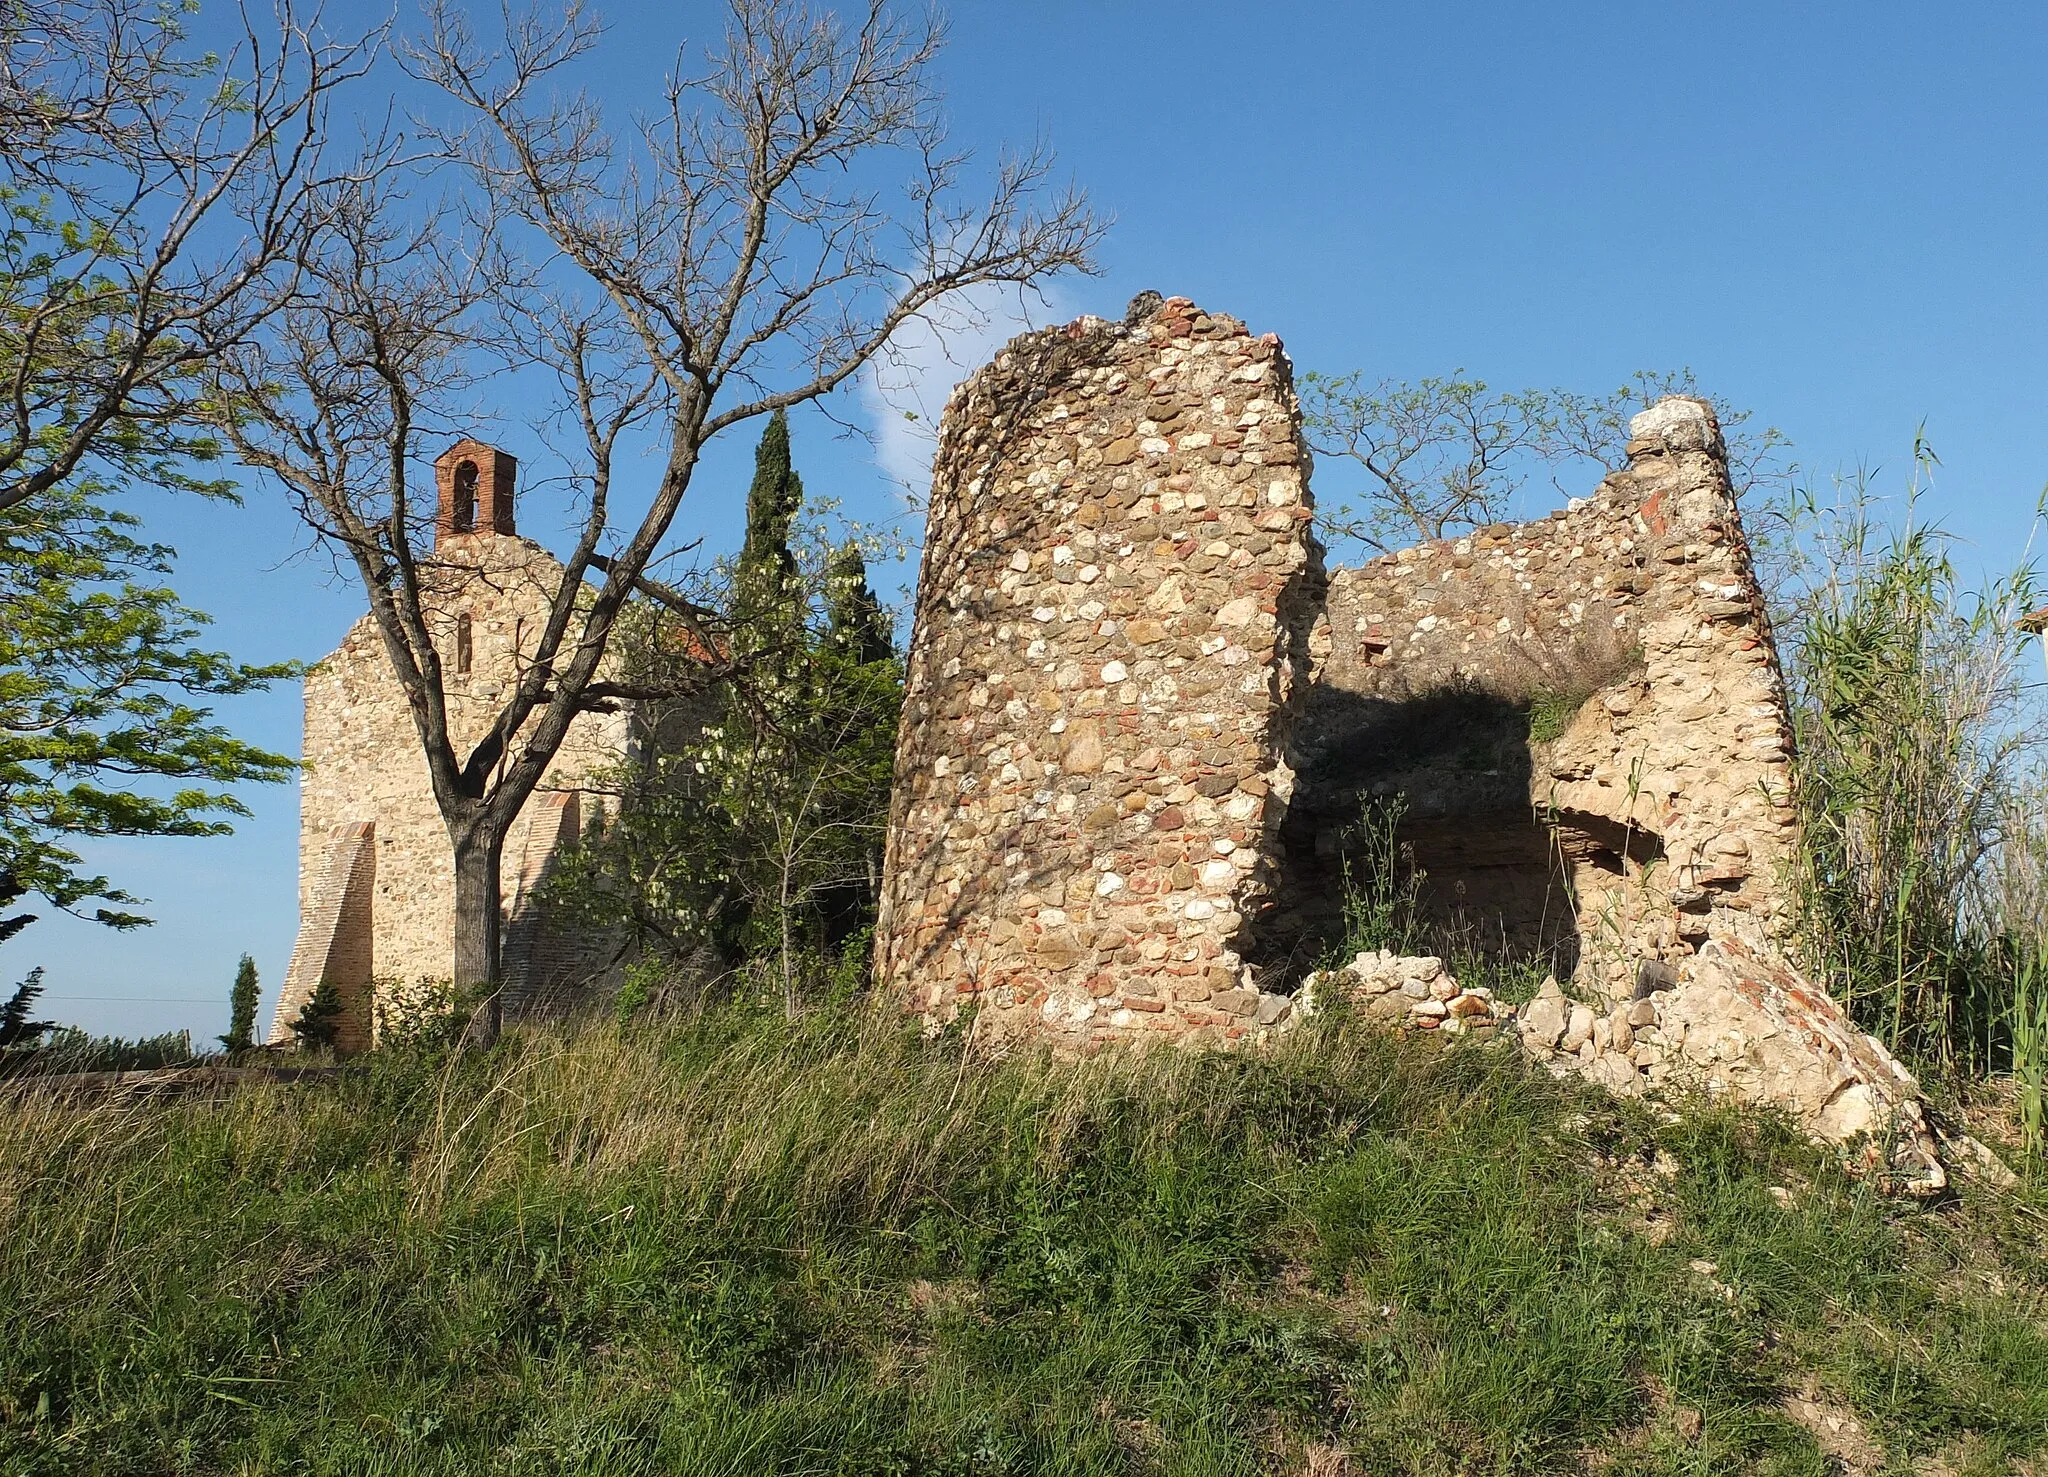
(904, 389)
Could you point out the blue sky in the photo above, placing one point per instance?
(1833, 213)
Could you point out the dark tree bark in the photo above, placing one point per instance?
(479, 913)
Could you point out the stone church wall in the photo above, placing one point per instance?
(1111, 637)
(487, 594)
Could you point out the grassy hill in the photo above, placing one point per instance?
(739, 1245)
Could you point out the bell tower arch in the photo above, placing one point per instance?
(475, 484)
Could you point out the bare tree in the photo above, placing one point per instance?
(1445, 456)
(156, 203)
(1440, 453)
(730, 256)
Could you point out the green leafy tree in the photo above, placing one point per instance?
(156, 205)
(242, 1000)
(766, 586)
(101, 676)
(752, 833)
(860, 627)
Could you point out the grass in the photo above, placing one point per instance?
(1919, 778)
(742, 1245)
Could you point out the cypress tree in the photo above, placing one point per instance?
(16, 1029)
(242, 1008)
(860, 627)
(319, 1022)
(767, 572)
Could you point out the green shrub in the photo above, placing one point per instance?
(318, 1023)
(1918, 777)
(1382, 886)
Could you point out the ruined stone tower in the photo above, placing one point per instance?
(1111, 635)
(1146, 738)
(376, 879)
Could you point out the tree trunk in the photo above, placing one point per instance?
(478, 924)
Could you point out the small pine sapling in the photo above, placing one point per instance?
(242, 1000)
(16, 1029)
(319, 1022)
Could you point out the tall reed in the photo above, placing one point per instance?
(1918, 761)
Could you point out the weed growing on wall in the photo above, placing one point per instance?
(1382, 886)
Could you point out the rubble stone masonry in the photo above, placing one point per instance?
(1143, 727)
(1656, 777)
(1111, 638)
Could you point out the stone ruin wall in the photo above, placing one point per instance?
(1111, 635)
(363, 764)
(1633, 618)
(1136, 736)
(1662, 800)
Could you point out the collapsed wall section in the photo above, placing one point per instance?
(1602, 682)
(1111, 636)
(1582, 716)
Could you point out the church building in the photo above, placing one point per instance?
(376, 875)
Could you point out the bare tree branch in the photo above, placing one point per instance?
(730, 255)
(160, 205)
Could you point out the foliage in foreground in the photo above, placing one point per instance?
(102, 728)
(1920, 776)
(744, 1245)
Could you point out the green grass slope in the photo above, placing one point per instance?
(737, 1245)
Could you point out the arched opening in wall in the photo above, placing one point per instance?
(464, 650)
(462, 516)
(1435, 787)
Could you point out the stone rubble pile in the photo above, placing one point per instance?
(1730, 1023)
(1743, 1023)
(1410, 993)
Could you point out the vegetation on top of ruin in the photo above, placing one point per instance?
(734, 1244)
(1442, 456)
